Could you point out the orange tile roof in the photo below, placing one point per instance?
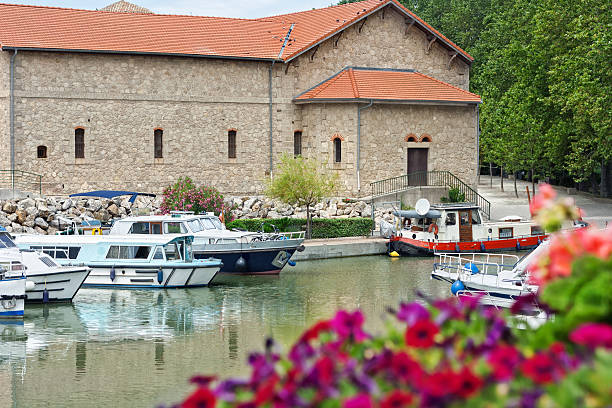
(364, 84)
(53, 28)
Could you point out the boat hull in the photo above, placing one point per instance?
(149, 277)
(12, 298)
(256, 261)
(414, 247)
(61, 284)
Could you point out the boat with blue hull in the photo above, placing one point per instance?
(242, 252)
(129, 261)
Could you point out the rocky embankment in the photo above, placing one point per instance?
(47, 215)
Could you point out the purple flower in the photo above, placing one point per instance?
(410, 313)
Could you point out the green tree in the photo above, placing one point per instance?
(303, 182)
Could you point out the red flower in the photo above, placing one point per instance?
(200, 398)
(541, 369)
(421, 334)
(358, 401)
(314, 331)
(405, 368)
(592, 335)
(469, 383)
(396, 399)
(265, 392)
(441, 384)
(324, 369)
(503, 360)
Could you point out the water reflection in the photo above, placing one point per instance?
(139, 347)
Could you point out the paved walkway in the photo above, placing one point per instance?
(598, 210)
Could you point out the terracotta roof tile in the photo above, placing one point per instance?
(363, 84)
(103, 31)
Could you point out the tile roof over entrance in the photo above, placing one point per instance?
(355, 84)
(60, 29)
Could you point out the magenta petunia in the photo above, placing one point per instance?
(358, 401)
(347, 324)
(503, 360)
(592, 335)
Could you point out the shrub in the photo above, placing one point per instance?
(454, 196)
(184, 195)
(321, 227)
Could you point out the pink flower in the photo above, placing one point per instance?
(421, 334)
(503, 360)
(358, 401)
(592, 335)
(347, 324)
(543, 199)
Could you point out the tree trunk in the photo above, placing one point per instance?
(515, 190)
(532, 183)
(501, 176)
(491, 174)
(308, 234)
(605, 179)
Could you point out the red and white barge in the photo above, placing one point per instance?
(459, 227)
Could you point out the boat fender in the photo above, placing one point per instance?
(45, 296)
(160, 276)
(482, 247)
(393, 254)
(471, 267)
(301, 248)
(457, 248)
(456, 287)
(518, 245)
(434, 228)
(291, 263)
(240, 265)
(112, 274)
(30, 285)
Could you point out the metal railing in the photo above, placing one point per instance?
(430, 178)
(21, 180)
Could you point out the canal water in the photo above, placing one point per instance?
(138, 348)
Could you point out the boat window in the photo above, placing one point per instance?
(156, 228)
(208, 224)
(173, 252)
(73, 252)
(159, 254)
(17, 266)
(174, 228)
(475, 217)
(50, 252)
(217, 222)
(6, 241)
(451, 219)
(195, 225)
(140, 228)
(537, 230)
(61, 253)
(142, 252)
(113, 252)
(505, 232)
(128, 252)
(464, 218)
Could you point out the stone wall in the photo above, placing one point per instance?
(383, 146)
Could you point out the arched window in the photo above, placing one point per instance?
(231, 144)
(41, 152)
(158, 135)
(411, 138)
(337, 150)
(297, 143)
(425, 138)
(79, 143)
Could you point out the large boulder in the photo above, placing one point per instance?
(4, 221)
(248, 204)
(32, 211)
(9, 207)
(27, 202)
(113, 210)
(17, 229)
(30, 221)
(21, 215)
(67, 204)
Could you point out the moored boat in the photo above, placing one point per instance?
(12, 295)
(458, 228)
(132, 261)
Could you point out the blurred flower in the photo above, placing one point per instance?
(200, 398)
(468, 383)
(410, 313)
(359, 401)
(592, 335)
(541, 368)
(421, 334)
(503, 360)
(396, 399)
(551, 214)
(405, 368)
(347, 324)
(202, 380)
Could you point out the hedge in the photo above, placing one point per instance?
(321, 227)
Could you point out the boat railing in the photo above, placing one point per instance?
(275, 236)
(484, 240)
(501, 261)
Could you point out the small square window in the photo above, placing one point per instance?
(506, 232)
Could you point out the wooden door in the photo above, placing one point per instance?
(417, 167)
(465, 225)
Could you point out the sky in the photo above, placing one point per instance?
(218, 8)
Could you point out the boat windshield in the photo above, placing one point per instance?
(174, 251)
(128, 252)
(6, 241)
(195, 225)
(207, 223)
(174, 227)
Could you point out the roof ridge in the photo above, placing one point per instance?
(329, 81)
(353, 83)
(447, 84)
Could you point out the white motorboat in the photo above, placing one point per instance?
(46, 281)
(497, 275)
(128, 261)
(12, 295)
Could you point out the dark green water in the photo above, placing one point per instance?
(138, 348)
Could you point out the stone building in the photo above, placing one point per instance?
(127, 99)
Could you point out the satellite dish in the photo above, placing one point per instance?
(422, 206)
